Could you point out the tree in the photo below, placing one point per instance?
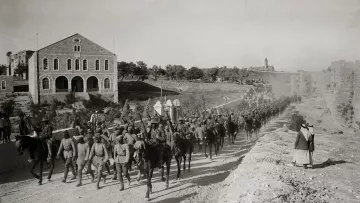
(243, 74)
(211, 73)
(21, 69)
(171, 71)
(179, 72)
(123, 69)
(141, 70)
(3, 68)
(194, 73)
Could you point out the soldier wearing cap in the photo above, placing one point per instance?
(46, 134)
(182, 128)
(158, 134)
(99, 156)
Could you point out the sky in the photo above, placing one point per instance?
(292, 34)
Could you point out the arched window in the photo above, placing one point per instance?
(75, 48)
(3, 84)
(77, 64)
(45, 84)
(56, 64)
(69, 64)
(97, 65)
(45, 64)
(106, 65)
(78, 48)
(107, 83)
(84, 64)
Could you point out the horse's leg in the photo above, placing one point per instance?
(178, 163)
(41, 171)
(184, 165)
(210, 149)
(206, 145)
(149, 186)
(168, 163)
(52, 165)
(32, 169)
(189, 159)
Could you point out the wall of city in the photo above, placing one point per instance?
(339, 86)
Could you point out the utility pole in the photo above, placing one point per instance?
(114, 44)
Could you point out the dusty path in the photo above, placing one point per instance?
(20, 187)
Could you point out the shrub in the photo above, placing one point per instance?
(8, 107)
(295, 122)
(70, 98)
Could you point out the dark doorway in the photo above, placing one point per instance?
(77, 84)
(92, 84)
(61, 84)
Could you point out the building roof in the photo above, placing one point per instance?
(70, 37)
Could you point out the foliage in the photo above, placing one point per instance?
(21, 69)
(3, 69)
(194, 73)
(138, 110)
(131, 69)
(70, 98)
(96, 103)
(8, 107)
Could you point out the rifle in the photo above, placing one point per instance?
(171, 126)
(142, 122)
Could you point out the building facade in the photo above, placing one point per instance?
(6, 84)
(73, 64)
(266, 67)
(14, 60)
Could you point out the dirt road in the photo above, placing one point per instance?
(20, 187)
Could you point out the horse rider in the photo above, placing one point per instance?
(158, 134)
(182, 128)
(46, 135)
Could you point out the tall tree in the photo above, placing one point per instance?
(123, 70)
(21, 69)
(194, 73)
(141, 70)
(3, 68)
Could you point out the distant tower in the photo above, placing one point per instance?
(266, 63)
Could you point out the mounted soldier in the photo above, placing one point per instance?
(157, 135)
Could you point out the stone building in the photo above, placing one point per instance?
(14, 60)
(6, 85)
(266, 67)
(73, 64)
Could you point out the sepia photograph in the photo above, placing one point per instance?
(191, 101)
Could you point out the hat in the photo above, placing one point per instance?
(117, 132)
(119, 138)
(303, 125)
(89, 130)
(309, 125)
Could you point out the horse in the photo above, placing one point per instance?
(256, 126)
(220, 136)
(210, 140)
(148, 152)
(231, 129)
(39, 150)
(182, 146)
(248, 128)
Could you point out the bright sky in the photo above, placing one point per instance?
(292, 34)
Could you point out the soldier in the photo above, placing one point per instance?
(158, 134)
(130, 139)
(23, 128)
(83, 152)
(46, 135)
(67, 146)
(182, 128)
(112, 140)
(122, 158)
(199, 133)
(99, 156)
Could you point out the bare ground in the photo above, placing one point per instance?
(19, 186)
(264, 175)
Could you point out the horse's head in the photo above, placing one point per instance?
(22, 144)
(140, 148)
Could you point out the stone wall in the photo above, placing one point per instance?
(339, 86)
(6, 84)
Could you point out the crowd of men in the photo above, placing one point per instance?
(96, 146)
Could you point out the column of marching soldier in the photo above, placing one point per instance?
(95, 145)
